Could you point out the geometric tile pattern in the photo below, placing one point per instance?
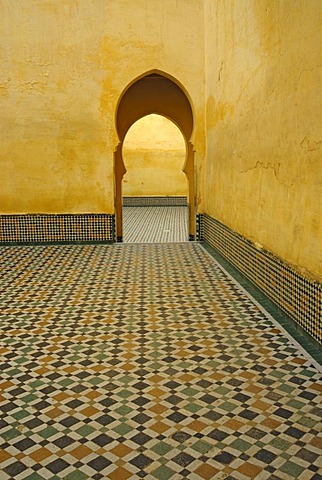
(155, 224)
(147, 361)
(154, 201)
(56, 228)
(299, 297)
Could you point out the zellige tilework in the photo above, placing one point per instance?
(155, 224)
(299, 297)
(45, 228)
(147, 361)
(154, 201)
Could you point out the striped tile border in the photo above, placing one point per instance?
(298, 296)
(60, 228)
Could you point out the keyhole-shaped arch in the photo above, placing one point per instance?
(158, 93)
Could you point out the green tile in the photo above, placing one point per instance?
(162, 448)
(163, 473)
(35, 476)
(47, 432)
(228, 406)
(126, 379)
(75, 475)
(189, 392)
(222, 390)
(125, 393)
(123, 410)
(122, 429)
(65, 382)
(306, 422)
(286, 388)
(10, 434)
(292, 469)
(21, 414)
(278, 374)
(201, 446)
(241, 445)
(296, 404)
(95, 381)
(280, 443)
(85, 431)
(192, 407)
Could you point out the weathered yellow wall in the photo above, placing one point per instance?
(65, 63)
(263, 113)
(63, 67)
(154, 153)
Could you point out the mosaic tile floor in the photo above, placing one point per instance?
(155, 224)
(147, 361)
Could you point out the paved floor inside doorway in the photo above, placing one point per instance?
(132, 361)
(155, 224)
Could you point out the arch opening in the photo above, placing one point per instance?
(154, 93)
(154, 188)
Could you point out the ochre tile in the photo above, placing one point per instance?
(81, 451)
(54, 413)
(40, 454)
(206, 471)
(121, 450)
(159, 427)
(120, 473)
(249, 470)
(4, 455)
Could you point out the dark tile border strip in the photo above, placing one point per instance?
(308, 343)
(56, 229)
(298, 297)
(154, 201)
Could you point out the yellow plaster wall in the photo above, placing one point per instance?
(154, 153)
(263, 116)
(63, 67)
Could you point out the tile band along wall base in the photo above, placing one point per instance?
(56, 228)
(154, 201)
(299, 297)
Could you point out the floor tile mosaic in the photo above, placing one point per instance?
(155, 224)
(132, 361)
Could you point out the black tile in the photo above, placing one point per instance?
(177, 417)
(14, 469)
(283, 412)
(294, 432)
(69, 421)
(218, 435)
(141, 461)
(102, 440)
(183, 459)
(141, 438)
(265, 456)
(105, 420)
(24, 444)
(141, 418)
(181, 437)
(63, 441)
(208, 398)
(224, 457)
(57, 466)
(307, 455)
(99, 463)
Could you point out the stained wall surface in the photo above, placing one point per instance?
(64, 65)
(154, 154)
(264, 146)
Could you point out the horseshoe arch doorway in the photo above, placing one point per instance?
(154, 93)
